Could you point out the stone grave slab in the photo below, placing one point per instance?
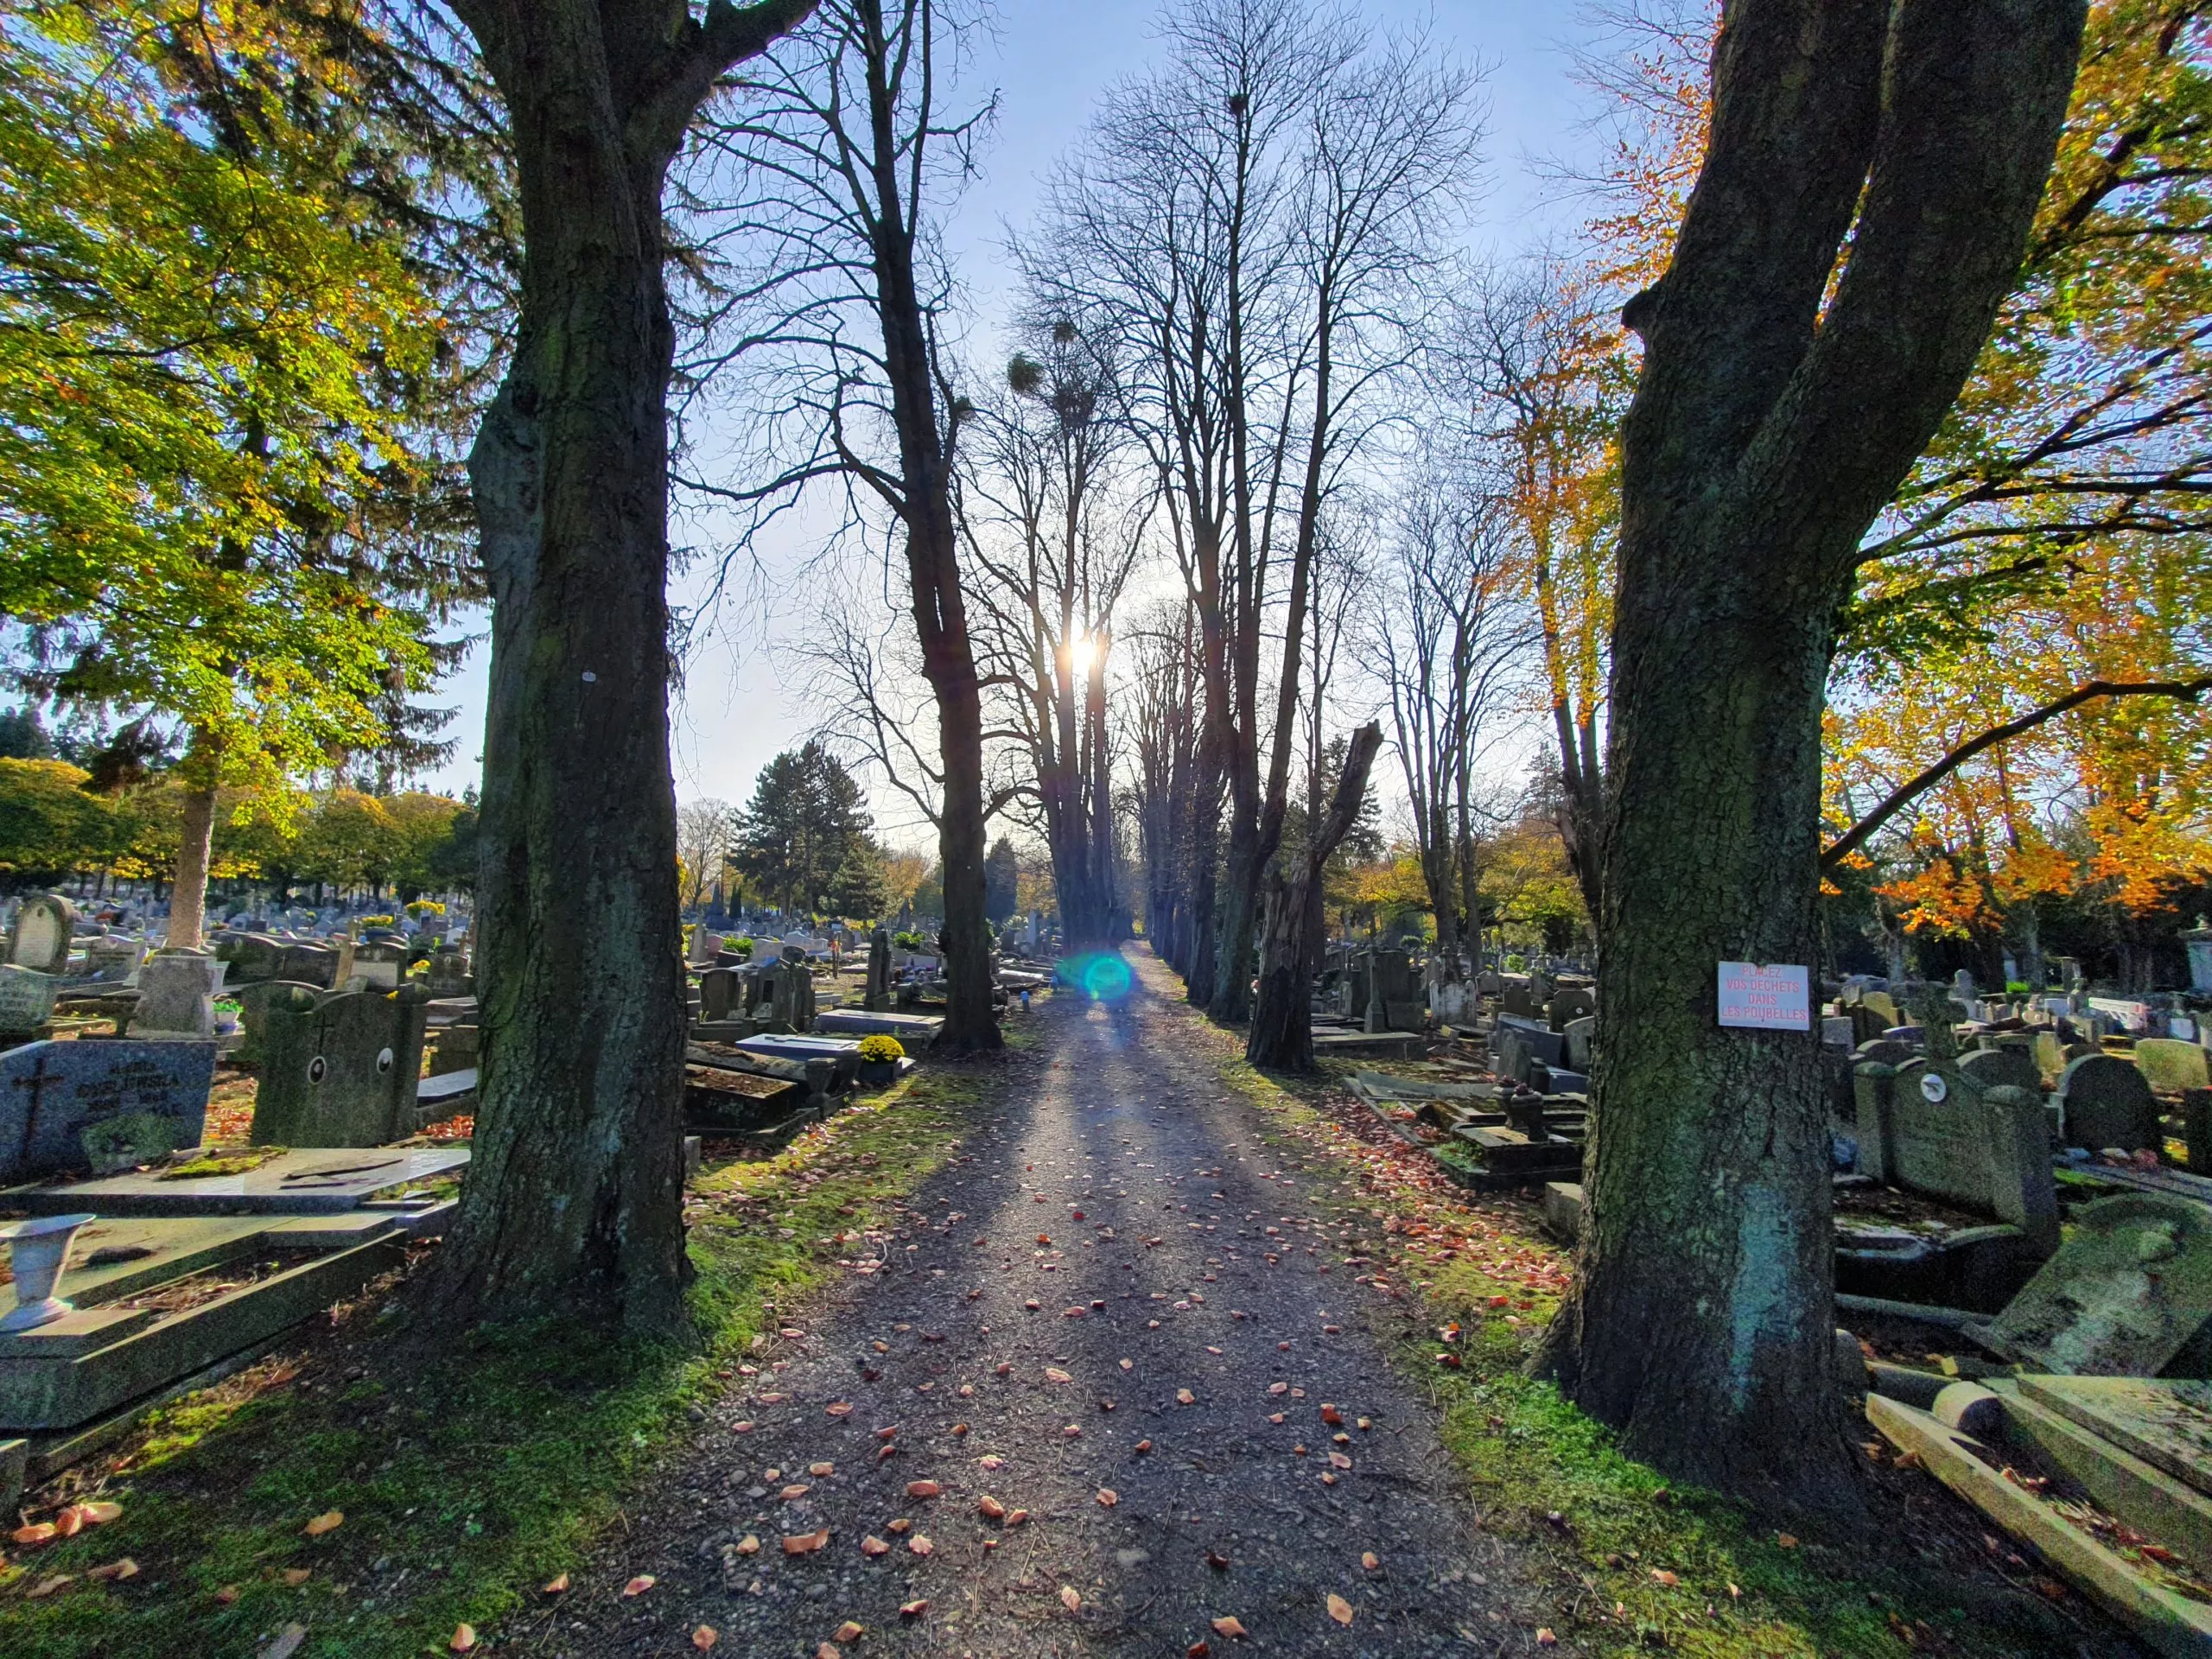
(2166, 1421)
(176, 1316)
(100, 1105)
(2107, 1102)
(176, 996)
(912, 1030)
(2125, 1293)
(2009, 1068)
(2171, 1065)
(1934, 1129)
(801, 1046)
(40, 938)
(306, 1183)
(26, 1000)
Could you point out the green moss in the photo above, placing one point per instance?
(473, 1480)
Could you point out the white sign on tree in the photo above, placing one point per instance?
(1766, 996)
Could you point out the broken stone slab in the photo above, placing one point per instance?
(304, 1183)
(2165, 1421)
(2169, 1623)
(2137, 1491)
(2124, 1295)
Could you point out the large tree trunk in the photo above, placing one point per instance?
(1281, 1037)
(574, 1196)
(194, 853)
(1764, 439)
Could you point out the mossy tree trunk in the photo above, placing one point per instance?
(573, 1200)
(1765, 434)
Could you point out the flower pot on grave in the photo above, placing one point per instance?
(878, 1074)
(37, 1249)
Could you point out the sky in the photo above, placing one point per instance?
(1049, 62)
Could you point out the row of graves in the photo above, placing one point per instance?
(142, 1261)
(2023, 1209)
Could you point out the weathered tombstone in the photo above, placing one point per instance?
(1886, 1050)
(253, 1014)
(1572, 1002)
(340, 1068)
(309, 964)
(40, 939)
(1882, 1005)
(26, 1000)
(705, 947)
(2106, 1101)
(379, 964)
(719, 990)
(1579, 1035)
(111, 959)
(64, 1105)
(1929, 1127)
(2198, 942)
(875, 994)
(2171, 1065)
(2126, 1293)
(791, 994)
(2007, 1068)
(176, 996)
(449, 974)
(1394, 1001)
(2196, 1128)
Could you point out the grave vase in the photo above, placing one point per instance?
(37, 1250)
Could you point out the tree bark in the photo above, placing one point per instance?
(1281, 1037)
(1764, 439)
(194, 853)
(574, 1196)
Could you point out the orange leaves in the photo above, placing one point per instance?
(463, 1639)
(1107, 1497)
(989, 1507)
(1229, 1626)
(1339, 1609)
(923, 1489)
(1071, 1599)
(328, 1521)
(873, 1545)
(803, 1543)
(638, 1586)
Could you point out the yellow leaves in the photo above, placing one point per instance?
(1339, 1609)
(328, 1521)
(1071, 1599)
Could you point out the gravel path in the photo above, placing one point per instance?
(1158, 1386)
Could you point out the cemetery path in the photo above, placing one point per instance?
(1149, 1386)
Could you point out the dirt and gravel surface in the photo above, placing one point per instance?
(1115, 1312)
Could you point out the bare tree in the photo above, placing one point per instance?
(826, 277)
(1453, 641)
(703, 842)
(1164, 680)
(1054, 536)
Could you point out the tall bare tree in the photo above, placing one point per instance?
(574, 1198)
(1454, 642)
(827, 274)
(1779, 405)
(1164, 680)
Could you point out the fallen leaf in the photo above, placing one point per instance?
(804, 1543)
(47, 1587)
(899, 1525)
(558, 1586)
(100, 1511)
(1054, 1374)
(822, 1650)
(1545, 1638)
(1785, 1540)
(296, 1576)
(706, 1636)
(748, 1545)
(1217, 1560)
(464, 1639)
(1338, 1460)
(989, 1507)
(1070, 1599)
(1185, 1397)
(1660, 1576)
(1369, 1559)
(69, 1522)
(1330, 1416)
(1197, 1650)
(1015, 1517)
(638, 1586)
(792, 1494)
(227, 1595)
(873, 1545)
(287, 1643)
(822, 1470)
(923, 1489)
(920, 1544)
(124, 1568)
(1278, 1387)
(1339, 1609)
(914, 1609)
(36, 1532)
(328, 1521)
(849, 1631)
(1107, 1497)
(1229, 1626)
(839, 1408)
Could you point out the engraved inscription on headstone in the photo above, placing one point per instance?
(52, 1094)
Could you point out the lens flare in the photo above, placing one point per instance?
(1102, 975)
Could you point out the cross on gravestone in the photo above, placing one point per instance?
(341, 1069)
(136, 1100)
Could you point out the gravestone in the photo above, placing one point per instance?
(1579, 1035)
(1882, 1005)
(1886, 1050)
(2127, 1292)
(1572, 1003)
(379, 964)
(1394, 997)
(111, 959)
(339, 1069)
(309, 964)
(253, 1014)
(718, 991)
(2007, 1068)
(2106, 1101)
(73, 1106)
(2050, 1055)
(26, 1000)
(2171, 1065)
(40, 938)
(449, 974)
(792, 992)
(176, 996)
(705, 947)
(297, 1183)
(875, 991)
(1929, 1127)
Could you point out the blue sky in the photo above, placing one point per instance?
(1049, 62)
